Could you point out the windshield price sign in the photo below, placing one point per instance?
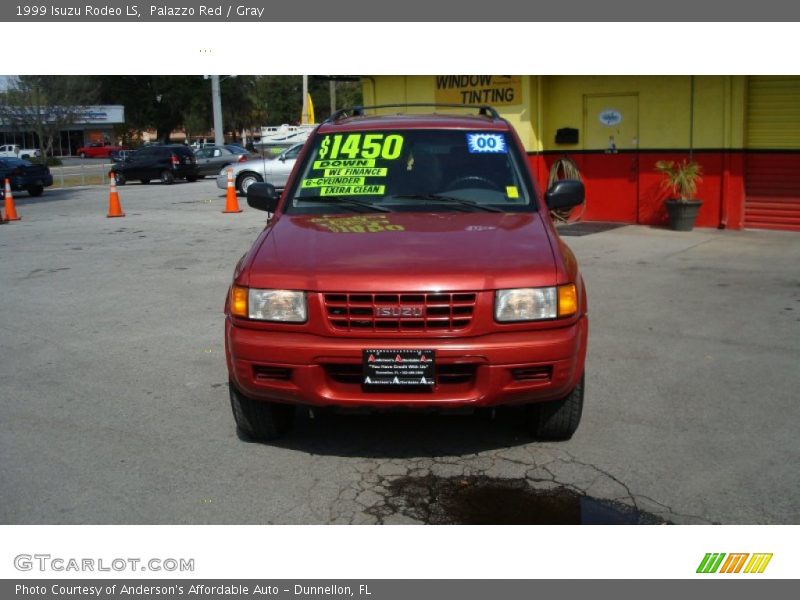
(358, 145)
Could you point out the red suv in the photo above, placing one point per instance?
(410, 262)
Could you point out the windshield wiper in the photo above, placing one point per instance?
(342, 200)
(454, 200)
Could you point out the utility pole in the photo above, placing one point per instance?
(332, 87)
(216, 103)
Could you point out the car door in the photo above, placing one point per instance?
(138, 162)
(161, 160)
(130, 166)
(222, 158)
(278, 169)
(204, 157)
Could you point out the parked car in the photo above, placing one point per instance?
(15, 151)
(118, 156)
(411, 262)
(198, 144)
(270, 170)
(98, 150)
(166, 163)
(237, 149)
(211, 159)
(25, 176)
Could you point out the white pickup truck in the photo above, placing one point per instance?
(14, 151)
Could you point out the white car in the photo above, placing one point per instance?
(270, 170)
(14, 151)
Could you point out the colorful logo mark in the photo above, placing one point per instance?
(734, 563)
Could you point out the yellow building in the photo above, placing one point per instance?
(744, 132)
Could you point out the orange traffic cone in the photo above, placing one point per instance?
(114, 207)
(11, 210)
(231, 201)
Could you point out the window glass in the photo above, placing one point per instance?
(413, 170)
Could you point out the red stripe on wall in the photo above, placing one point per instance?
(626, 188)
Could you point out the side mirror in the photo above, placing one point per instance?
(566, 193)
(262, 196)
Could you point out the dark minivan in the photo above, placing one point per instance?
(164, 162)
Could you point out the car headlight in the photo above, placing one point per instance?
(535, 304)
(287, 306)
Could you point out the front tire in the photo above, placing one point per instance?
(145, 181)
(557, 420)
(167, 178)
(245, 181)
(260, 421)
(83, 155)
(35, 190)
(119, 178)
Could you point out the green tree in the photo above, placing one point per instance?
(282, 97)
(348, 93)
(167, 103)
(159, 102)
(170, 102)
(240, 105)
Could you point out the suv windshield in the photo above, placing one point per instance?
(411, 170)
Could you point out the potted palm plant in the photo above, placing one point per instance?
(681, 179)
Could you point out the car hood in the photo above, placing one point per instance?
(403, 252)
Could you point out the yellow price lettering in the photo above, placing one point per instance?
(351, 145)
(372, 145)
(354, 145)
(392, 147)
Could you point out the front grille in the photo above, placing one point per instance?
(386, 312)
(446, 374)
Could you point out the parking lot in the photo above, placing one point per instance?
(115, 405)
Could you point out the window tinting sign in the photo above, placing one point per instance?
(610, 117)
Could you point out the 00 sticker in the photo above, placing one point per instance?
(357, 145)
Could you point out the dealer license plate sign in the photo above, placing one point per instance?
(399, 367)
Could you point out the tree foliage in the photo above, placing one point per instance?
(167, 103)
(283, 97)
(160, 102)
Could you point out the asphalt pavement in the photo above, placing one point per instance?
(114, 404)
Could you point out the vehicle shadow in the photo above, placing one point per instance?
(51, 195)
(405, 435)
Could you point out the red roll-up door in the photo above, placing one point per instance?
(772, 163)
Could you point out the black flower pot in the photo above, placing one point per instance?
(683, 214)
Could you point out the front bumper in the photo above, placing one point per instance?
(491, 370)
(28, 181)
(185, 171)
